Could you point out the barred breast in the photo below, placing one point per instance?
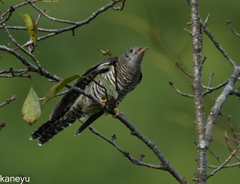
(127, 80)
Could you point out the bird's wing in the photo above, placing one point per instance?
(89, 121)
(70, 97)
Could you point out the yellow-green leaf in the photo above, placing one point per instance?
(57, 88)
(2, 1)
(109, 87)
(31, 26)
(31, 110)
(107, 52)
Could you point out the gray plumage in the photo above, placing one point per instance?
(75, 106)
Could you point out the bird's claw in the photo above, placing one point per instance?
(117, 112)
(103, 101)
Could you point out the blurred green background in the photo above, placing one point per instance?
(154, 107)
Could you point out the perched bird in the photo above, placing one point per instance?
(125, 75)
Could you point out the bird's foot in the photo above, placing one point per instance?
(103, 101)
(117, 112)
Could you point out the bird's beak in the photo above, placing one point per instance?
(143, 49)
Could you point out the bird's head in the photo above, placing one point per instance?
(133, 55)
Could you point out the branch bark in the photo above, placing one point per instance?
(196, 33)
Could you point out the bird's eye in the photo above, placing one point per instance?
(131, 51)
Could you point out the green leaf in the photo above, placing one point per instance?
(107, 52)
(2, 1)
(109, 87)
(31, 110)
(57, 88)
(31, 26)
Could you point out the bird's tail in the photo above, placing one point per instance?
(51, 128)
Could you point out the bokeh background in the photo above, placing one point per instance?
(154, 107)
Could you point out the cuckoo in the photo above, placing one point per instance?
(125, 75)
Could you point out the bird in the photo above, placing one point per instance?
(125, 75)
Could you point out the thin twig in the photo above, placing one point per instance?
(8, 101)
(120, 8)
(179, 92)
(3, 124)
(25, 28)
(219, 47)
(22, 49)
(228, 143)
(215, 155)
(224, 163)
(20, 72)
(184, 70)
(232, 129)
(226, 166)
(17, 6)
(49, 17)
(216, 109)
(210, 79)
(80, 23)
(206, 20)
(209, 90)
(125, 153)
(233, 30)
(189, 32)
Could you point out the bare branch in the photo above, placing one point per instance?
(25, 28)
(3, 124)
(13, 72)
(211, 89)
(189, 32)
(219, 47)
(233, 131)
(184, 70)
(134, 131)
(22, 49)
(210, 79)
(224, 163)
(226, 166)
(233, 30)
(228, 143)
(197, 90)
(179, 92)
(126, 154)
(216, 109)
(206, 20)
(80, 23)
(215, 155)
(8, 101)
(50, 18)
(120, 8)
(15, 7)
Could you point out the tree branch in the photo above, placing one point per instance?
(179, 92)
(200, 176)
(3, 124)
(81, 23)
(126, 154)
(226, 166)
(219, 47)
(215, 155)
(216, 109)
(224, 163)
(233, 30)
(8, 101)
